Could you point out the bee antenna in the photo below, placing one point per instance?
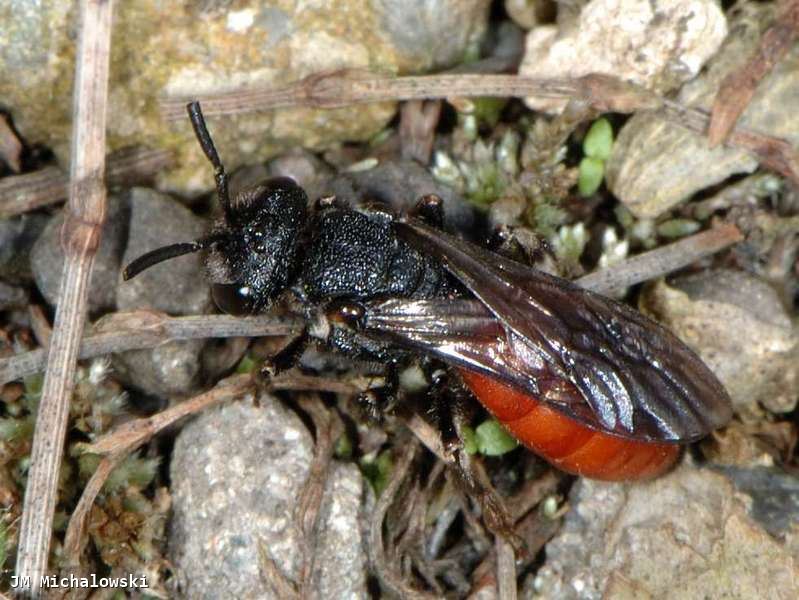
(145, 261)
(207, 144)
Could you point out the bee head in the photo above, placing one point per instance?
(254, 249)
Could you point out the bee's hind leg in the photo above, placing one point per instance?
(376, 401)
(469, 474)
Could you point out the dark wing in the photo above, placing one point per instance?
(634, 377)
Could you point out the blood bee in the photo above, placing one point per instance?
(588, 383)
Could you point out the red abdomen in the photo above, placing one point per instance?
(566, 443)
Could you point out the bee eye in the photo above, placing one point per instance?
(233, 298)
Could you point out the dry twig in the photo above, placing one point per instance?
(506, 568)
(139, 329)
(354, 86)
(116, 445)
(22, 193)
(327, 429)
(739, 87)
(80, 239)
(603, 93)
(385, 571)
(660, 261)
(10, 146)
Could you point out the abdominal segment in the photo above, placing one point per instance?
(566, 443)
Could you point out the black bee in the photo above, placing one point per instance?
(589, 383)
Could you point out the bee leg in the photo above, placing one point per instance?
(469, 472)
(287, 357)
(375, 402)
(430, 209)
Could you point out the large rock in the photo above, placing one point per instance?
(739, 326)
(658, 44)
(47, 256)
(186, 47)
(687, 535)
(237, 473)
(656, 164)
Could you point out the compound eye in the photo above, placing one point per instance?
(233, 298)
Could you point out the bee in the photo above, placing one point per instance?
(588, 383)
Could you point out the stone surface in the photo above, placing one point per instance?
(47, 257)
(400, 184)
(738, 326)
(658, 44)
(12, 296)
(177, 286)
(656, 164)
(186, 47)
(17, 237)
(171, 369)
(311, 173)
(686, 535)
(236, 475)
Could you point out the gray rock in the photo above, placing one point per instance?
(171, 369)
(665, 43)
(47, 257)
(177, 286)
(432, 34)
(12, 296)
(775, 496)
(684, 535)
(739, 327)
(186, 48)
(236, 474)
(17, 237)
(656, 164)
(305, 168)
(399, 184)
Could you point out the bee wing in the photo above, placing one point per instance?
(634, 377)
(466, 334)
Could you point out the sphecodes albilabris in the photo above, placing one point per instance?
(588, 383)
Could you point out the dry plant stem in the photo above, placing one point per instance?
(80, 238)
(659, 262)
(40, 325)
(129, 436)
(533, 492)
(273, 577)
(146, 329)
(386, 572)
(506, 569)
(430, 437)
(10, 146)
(115, 447)
(327, 428)
(75, 540)
(417, 129)
(774, 153)
(352, 86)
(739, 87)
(603, 93)
(23, 193)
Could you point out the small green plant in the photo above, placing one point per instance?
(489, 438)
(597, 147)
